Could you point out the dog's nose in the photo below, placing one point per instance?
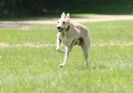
(58, 27)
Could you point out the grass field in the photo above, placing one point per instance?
(29, 62)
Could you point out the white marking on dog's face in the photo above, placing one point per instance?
(63, 22)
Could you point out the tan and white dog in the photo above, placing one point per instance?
(71, 34)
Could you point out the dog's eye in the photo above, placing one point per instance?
(64, 22)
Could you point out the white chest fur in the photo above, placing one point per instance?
(66, 40)
(69, 37)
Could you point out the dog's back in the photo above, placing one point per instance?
(81, 29)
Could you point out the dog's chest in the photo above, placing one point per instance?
(66, 39)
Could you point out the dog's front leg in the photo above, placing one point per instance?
(58, 43)
(67, 51)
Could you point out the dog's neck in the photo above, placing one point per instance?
(65, 33)
(68, 28)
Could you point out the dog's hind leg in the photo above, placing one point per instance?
(85, 48)
(85, 53)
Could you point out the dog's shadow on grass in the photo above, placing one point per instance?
(93, 67)
(98, 67)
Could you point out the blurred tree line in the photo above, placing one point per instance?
(42, 7)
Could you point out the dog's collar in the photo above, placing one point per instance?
(68, 28)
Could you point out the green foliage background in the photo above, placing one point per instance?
(17, 8)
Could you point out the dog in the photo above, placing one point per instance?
(70, 35)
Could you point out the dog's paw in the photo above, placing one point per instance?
(61, 65)
(60, 50)
(86, 64)
(57, 49)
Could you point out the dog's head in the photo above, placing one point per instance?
(63, 23)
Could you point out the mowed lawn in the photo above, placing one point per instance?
(29, 61)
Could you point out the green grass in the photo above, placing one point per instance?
(35, 34)
(35, 70)
(112, 31)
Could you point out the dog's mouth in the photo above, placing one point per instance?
(60, 29)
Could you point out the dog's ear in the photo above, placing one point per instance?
(63, 15)
(68, 16)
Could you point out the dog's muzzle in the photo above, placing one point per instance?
(60, 29)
